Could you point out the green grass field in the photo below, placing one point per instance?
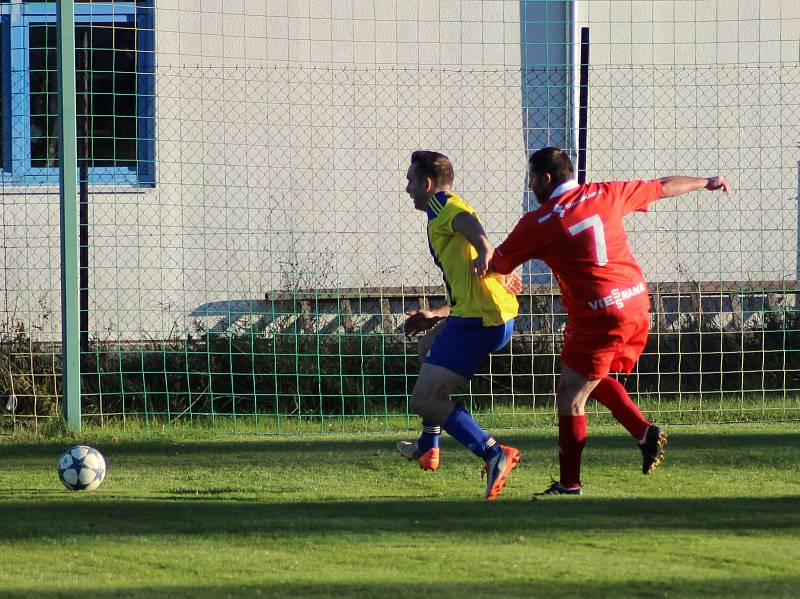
(194, 514)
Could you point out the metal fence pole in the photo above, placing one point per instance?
(68, 184)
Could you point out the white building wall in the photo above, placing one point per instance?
(284, 129)
(284, 132)
(721, 97)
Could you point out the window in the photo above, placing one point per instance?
(114, 44)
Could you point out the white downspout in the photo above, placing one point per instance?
(574, 56)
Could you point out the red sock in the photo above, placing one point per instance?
(611, 394)
(571, 439)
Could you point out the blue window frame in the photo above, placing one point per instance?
(115, 82)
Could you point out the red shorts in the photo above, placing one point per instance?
(595, 351)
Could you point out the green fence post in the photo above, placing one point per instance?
(68, 185)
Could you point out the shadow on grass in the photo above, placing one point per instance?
(318, 519)
(302, 448)
(647, 588)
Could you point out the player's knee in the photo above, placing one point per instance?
(566, 392)
(420, 404)
(425, 397)
(568, 399)
(569, 405)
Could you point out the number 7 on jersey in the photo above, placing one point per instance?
(595, 225)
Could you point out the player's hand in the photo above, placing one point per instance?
(719, 182)
(419, 321)
(512, 282)
(480, 266)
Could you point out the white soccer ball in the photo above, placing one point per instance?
(81, 468)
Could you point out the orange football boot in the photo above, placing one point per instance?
(498, 469)
(410, 451)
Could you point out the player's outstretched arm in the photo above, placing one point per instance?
(675, 186)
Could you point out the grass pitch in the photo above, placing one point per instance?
(191, 514)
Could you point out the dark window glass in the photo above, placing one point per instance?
(105, 61)
(44, 95)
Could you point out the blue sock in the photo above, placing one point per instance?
(429, 437)
(463, 428)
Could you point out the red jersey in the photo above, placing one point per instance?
(579, 234)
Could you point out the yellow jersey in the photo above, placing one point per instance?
(468, 295)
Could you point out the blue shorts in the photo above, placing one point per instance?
(464, 343)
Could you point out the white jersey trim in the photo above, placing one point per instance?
(566, 186)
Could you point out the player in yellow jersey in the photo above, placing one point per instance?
(476, 320)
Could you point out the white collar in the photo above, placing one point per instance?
(563, 188)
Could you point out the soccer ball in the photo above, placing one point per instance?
(81, 468)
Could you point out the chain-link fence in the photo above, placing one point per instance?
(255, 265)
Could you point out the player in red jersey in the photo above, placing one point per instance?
(578, 232)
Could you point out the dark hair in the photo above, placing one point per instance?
(434, 165)
(554, 161)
